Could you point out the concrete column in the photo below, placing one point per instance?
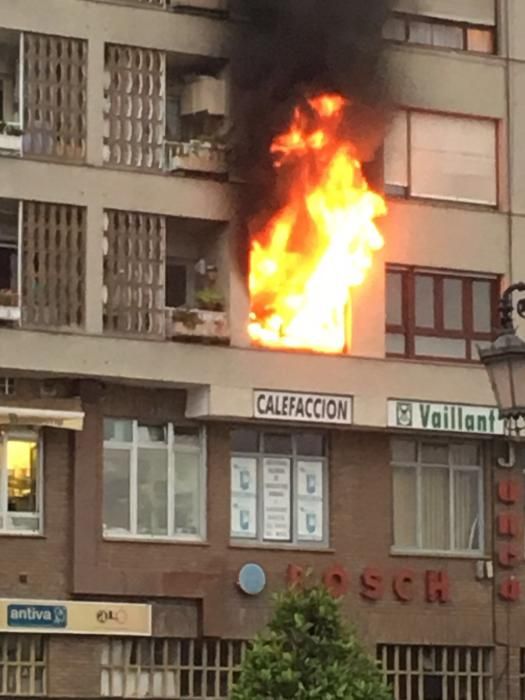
(95, 101)
(94, 260)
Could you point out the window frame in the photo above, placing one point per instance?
(398, 191)
(33, 664)
(407, 19)
(5, 514)
(452, 469)
(294, 542)
(190, 287)
(133, 448)
(410, 330)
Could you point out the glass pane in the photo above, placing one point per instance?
(447, 36)
(481, 304)
(116, 489)
(278, 443)
(394, 29)
(187, 493)
(152, 492)
(424, 301)
(453, 158)
(481, 40)
(22, 465)
(310, 444)
(434, 453)
(394, 298)
(396, 154)
(395, 344)
(466, 454)
(189, 437)
(466, 510)
(420, 32)
(152, 433)
(118, 430)
(453, 348)
(244, 440)
(453, 304)
(405, 507)
(404, 451)
(435, 508)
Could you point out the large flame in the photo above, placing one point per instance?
(320, 244)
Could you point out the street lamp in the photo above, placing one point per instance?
(504, 361)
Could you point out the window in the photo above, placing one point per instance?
(180, 282)
(437, 496)
(153, 480)
(279, 487)
(437, 156)
(20, 482)
(8, 252)
(170, 668)
(439, 314)
(434, 673)
(23, 659)
(429, 31)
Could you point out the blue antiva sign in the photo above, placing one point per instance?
(302, 407)
(54, 616)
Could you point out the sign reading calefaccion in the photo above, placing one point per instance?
(299, 406)
(444, 417)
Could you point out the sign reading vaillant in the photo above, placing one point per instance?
(299, 406)
(444, 417)
(71, 617)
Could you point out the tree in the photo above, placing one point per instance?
(308, 653)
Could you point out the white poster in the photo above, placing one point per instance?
(310, 501)
(243, 497)
(277, 506)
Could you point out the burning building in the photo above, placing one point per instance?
(248, 250)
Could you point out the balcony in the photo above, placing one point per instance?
(195, 157)
(194, 324)
(10, 139)
(10, 127)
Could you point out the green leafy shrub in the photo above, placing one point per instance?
(308, 653)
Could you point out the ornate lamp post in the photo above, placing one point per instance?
(504, 361)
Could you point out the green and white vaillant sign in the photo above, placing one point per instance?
(444, 417)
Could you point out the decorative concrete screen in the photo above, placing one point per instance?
(53, 265)
(134, 274)
(55, 84)
(134, 107)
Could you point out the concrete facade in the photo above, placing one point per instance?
(191, 586)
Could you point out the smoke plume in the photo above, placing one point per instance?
(286, 51)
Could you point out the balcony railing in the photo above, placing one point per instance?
(199, 325)
(195, 156)
(9, 306)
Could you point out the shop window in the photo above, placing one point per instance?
(437, 672)
(171, 668)
(437, 496)
(443, 157)
(279, 487)
(153, 480)
(23, 662)
(439, 314)
(428, 31)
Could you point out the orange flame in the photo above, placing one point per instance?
(320, 244)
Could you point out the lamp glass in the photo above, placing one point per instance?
(518, 379)
(500, 374)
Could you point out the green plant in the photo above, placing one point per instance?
(308, 653)
(187, 317)
(210, 299)
(10, 129)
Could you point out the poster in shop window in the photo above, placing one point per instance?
(310, 501)
(244, 497)
(277, 506)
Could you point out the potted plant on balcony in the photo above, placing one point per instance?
(210, 299)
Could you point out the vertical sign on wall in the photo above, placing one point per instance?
(277, 503)
(310, 501)
(509, 529)
(244, 497)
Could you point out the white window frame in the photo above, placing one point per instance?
(6, 515)
(404, 186)
(294, 457)
(452, 469)
(133, 447)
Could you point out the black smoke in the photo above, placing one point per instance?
(284, 52)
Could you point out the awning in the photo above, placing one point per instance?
(40, 417)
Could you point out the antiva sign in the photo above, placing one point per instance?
(445, 417)
(298, 406)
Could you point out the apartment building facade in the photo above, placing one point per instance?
(160, 477)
